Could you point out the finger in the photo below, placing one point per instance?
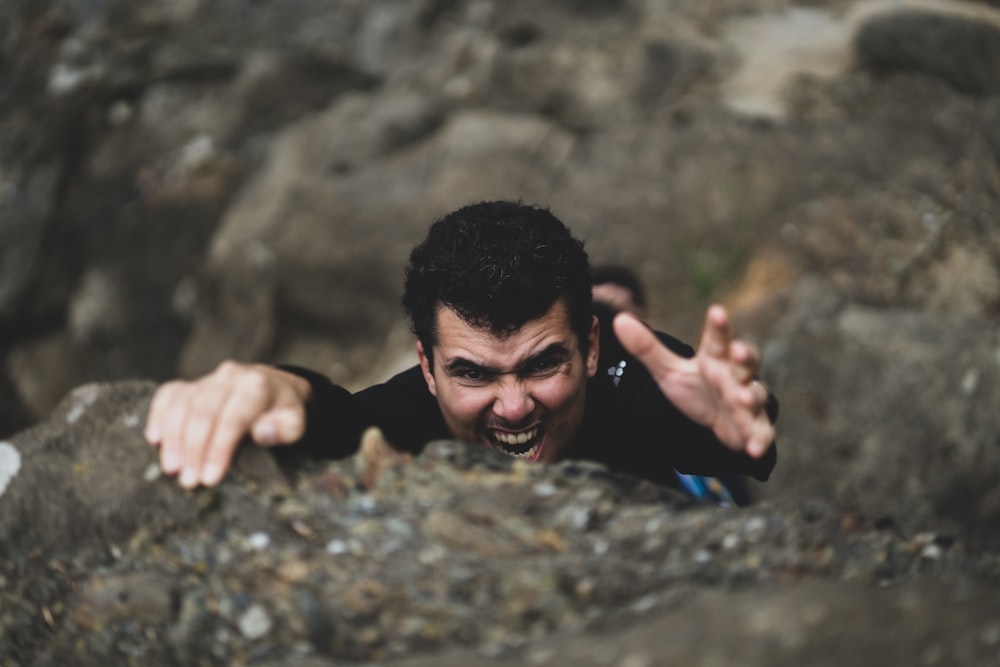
(159, 406)
(717, 334)
(233, 423)
(744, 361)
(172, 421)
(761, 437)
(203, 401)
(281, 426)
(265, 404)
(206, 419)
(642, 343)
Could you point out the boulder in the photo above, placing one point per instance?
(458, 555)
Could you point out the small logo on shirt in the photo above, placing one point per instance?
(616, 372)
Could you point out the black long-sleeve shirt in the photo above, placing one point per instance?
(628, 424)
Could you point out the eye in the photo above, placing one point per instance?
(472, 376)
(543, 366)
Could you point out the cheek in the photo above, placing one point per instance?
(557, 393)
(462, 403)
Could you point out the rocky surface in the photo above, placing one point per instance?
(458, 556)
(182, 182)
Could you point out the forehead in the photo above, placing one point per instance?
(457, 338)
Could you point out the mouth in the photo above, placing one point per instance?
(525, 444)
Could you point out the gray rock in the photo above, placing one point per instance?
(962, 50)
(456, 555)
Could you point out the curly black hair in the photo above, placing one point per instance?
(498, 265)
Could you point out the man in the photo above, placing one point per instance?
(619, 288)
(511, 355)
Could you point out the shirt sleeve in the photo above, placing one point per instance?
(401, 407)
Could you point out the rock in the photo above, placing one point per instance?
(962, 49)
(184, 183)
(458, 554)
(888, 439)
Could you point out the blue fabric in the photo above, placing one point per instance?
(706, 488)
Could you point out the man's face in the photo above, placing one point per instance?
(524, 394)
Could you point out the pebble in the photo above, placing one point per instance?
(255, 622)
(259, 540)
(336, 547)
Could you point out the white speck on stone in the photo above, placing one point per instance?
(85, 397)
(75, 413)
(932, 552)
(654, 525)
(545, 489)
(730, 542)
(643, 604)
(702, 556)
(255, 622)
(131, 421)
(366, 504)
(197, 152)
(433, 554)
(259, 540)
(64, 79)
(87, 394)
(10, 464)
(336, 547)
(755, 527)
(152, 473)
(970, 381)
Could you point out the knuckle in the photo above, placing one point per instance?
(254, 381)
(228, 369)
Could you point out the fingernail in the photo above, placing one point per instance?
(211, 474)
(268, 433)
(189, 478)
(152, 435)
(169, 461)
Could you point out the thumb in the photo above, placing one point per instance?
(280, 426)
(640, 341)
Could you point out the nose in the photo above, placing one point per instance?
(513, 401)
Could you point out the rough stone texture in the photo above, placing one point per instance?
(182, 182)
(965, 52)
(458, 555)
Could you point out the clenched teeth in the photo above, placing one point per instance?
(515, 439)
(524, 444)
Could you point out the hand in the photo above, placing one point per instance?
(199, 424)
(716, 388)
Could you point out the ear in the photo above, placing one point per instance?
(593, 346)
(425, 366)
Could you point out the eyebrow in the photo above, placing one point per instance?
(459, 365)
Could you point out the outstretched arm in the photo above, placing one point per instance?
(716, 388)
(199, 424)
